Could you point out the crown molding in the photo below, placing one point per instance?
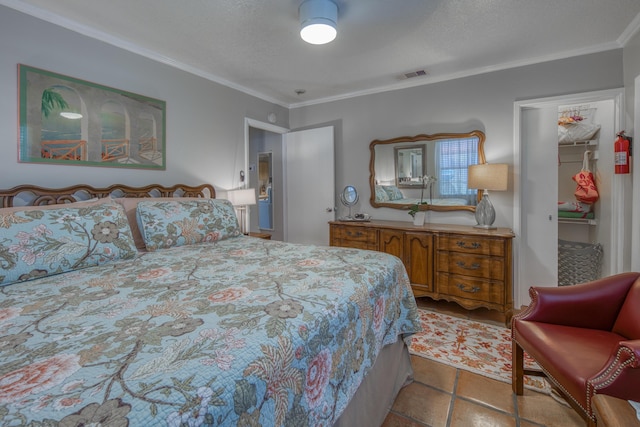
(75, 26)
(468, 73)
(131, 47)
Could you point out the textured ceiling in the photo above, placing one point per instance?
(254, 45)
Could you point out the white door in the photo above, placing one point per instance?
(538, 257)
(309, 185)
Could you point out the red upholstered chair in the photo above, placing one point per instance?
(585, 338)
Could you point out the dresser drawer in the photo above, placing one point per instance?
(356, 234)
(354, 244)
(471, 244)
(354, 237)
(470, 288)
(470, 265)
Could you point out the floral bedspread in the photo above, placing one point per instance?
(239, 332)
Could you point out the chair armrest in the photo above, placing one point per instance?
(593, 305)
(634, 347)
(620, 375)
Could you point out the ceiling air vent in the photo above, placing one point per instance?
(418, 73)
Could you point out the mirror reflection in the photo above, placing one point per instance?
(410, 164)
(265, 193)
(427, 169)
(349, 196)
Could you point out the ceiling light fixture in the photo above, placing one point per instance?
(318, 19)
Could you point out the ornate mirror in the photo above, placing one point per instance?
(429, 170)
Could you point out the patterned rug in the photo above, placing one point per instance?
(473, 346)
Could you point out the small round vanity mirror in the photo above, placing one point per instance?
(349, 197)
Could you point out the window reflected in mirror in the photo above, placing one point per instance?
(430, 170)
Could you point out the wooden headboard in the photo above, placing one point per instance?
(31, 195)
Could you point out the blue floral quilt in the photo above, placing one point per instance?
(242, 331)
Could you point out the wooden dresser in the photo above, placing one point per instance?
(467, 265)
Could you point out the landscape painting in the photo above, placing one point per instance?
(64, 120)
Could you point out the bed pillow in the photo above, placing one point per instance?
(41, 241)
(381, 195)
(130, 204)
(165, 224)
(393, 192)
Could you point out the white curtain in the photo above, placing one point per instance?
(453, 156)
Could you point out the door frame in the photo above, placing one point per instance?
(619, 233)
(635, 225)
(256, 124)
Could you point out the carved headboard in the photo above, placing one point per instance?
(31, 195)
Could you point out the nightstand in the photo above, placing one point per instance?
(265, 236)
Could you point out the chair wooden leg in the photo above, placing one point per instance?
(517, 368)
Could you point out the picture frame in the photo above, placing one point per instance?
(68, 121)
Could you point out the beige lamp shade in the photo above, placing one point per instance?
(242, 197)
(488, 176)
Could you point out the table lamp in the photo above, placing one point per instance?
(487, 177)
(241, 198)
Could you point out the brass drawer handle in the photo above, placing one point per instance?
(473, 266)
(474, 245)
(356, 234)
(471, 290)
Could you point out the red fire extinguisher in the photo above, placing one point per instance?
(622, 148)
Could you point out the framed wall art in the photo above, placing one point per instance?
(64, 120)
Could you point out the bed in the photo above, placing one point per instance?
(201, 326)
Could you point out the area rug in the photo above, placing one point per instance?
(473, 346)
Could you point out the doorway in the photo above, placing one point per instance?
(302, 180)
(265, 191)
(265, 138)
(536, 190)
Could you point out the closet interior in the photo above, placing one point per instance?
(584, 187)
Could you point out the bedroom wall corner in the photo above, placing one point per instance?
(204, 120)
(483, 102)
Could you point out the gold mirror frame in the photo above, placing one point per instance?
(417, 139)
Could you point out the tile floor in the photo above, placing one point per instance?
(443, 396)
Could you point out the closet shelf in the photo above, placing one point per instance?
(585, 221)
(591, 142)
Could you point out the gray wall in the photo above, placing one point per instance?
(205, 120)
(483, 102)
(631, 61)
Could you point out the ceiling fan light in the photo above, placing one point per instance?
(318, 20)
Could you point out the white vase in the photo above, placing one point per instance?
(418, 218)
